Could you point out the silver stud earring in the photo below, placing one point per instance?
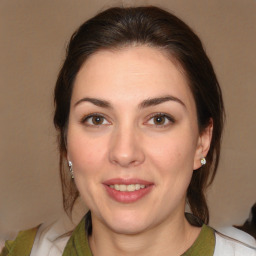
(70, 169)
(203, 161)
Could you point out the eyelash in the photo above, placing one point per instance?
(85, 119)
(170, 119)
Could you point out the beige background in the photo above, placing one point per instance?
(33, 36)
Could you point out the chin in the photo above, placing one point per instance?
(128, 224)
(128, 228)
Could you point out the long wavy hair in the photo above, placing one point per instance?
(116, 28)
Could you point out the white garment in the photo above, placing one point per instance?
(237, 234)
(49, 243)
(225, 246)
(49, 240)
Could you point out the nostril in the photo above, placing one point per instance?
(125, 149)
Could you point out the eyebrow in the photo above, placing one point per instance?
(144, 104)
(156, 101)
(97, 102)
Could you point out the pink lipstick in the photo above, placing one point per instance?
(127, 190)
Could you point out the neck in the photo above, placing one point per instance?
(169, 238)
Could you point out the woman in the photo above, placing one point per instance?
(140, 115)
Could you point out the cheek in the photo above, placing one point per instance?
(173, 150)
(173, 160)
(86, 153)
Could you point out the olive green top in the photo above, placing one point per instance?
(22, 245)
(204, 244)
(78, 244)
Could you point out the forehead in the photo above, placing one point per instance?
(137, 72)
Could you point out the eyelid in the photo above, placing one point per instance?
(86, 117)
(170, 118)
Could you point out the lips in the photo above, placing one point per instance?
(127, 190)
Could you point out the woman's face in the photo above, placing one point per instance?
(133, 138)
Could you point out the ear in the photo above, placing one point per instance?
(203, 145)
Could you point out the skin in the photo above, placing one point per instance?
(127, 142)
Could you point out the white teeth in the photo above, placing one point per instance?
(129, 188)
(137, 186)
(122, 187)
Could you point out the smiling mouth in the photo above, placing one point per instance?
(127, 188)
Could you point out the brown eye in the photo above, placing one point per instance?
(159, 120)
(97, 120)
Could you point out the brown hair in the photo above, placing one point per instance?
(120, 27)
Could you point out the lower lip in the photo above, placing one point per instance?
(128, 197)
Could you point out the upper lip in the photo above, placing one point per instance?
(127, 181)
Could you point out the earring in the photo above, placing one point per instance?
(70, 169)
(203, 161)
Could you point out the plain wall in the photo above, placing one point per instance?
(33, 37)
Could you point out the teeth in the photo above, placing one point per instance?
(122, 187)
(137, 186)
(129, 188)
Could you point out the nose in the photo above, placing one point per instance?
(126, 148)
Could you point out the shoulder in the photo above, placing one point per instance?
(52, 238)
(22, 245)
(237, 234)
(228, 246)
(47, 239)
